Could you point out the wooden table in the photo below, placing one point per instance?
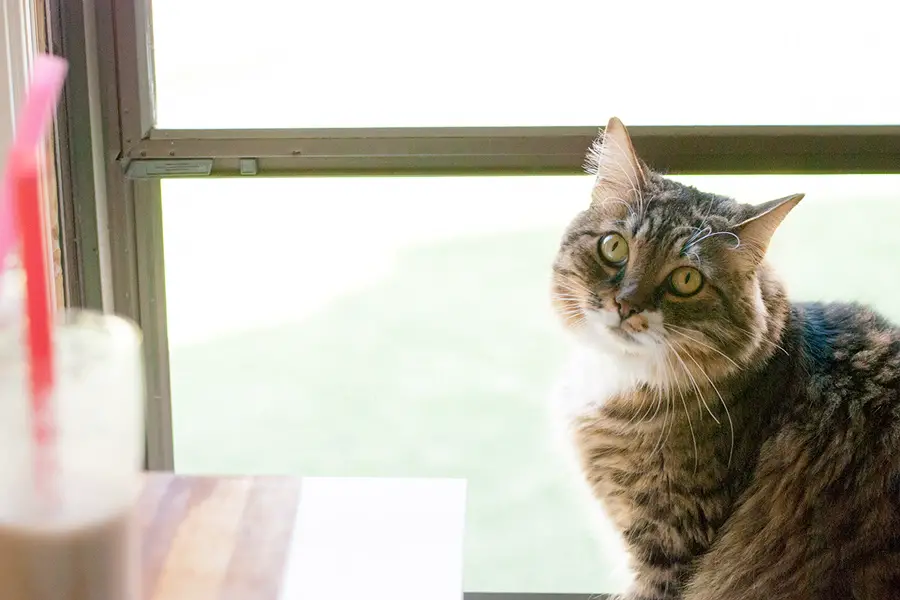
(274, 538)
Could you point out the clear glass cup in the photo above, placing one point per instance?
(79, 542)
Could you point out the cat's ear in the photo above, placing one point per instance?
(756, 232)
(620, 174)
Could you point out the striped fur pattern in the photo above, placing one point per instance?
(745, 446)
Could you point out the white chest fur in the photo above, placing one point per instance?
(591, 377)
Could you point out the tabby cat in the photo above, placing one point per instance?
(746, 447)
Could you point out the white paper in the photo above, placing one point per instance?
(377, 539)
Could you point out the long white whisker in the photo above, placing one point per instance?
(761, 338)
(661, 442)
(680, 331)
(699, 395)
(686, 411)
(737, 240)
(636, 412)
(724, 405)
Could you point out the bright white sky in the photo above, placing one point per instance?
(356, 63)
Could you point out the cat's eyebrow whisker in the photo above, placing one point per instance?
(623, 203)
(704, 223)
(737, 240)
(681, 331)
(698, 232)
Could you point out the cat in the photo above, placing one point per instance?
(745, 446)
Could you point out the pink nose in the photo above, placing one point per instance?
(626, 309)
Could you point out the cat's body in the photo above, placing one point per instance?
(746, 448)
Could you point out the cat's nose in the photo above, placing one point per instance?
(626, 309)
(633, 298)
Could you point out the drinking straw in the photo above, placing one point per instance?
(22, 197)
(41, 98)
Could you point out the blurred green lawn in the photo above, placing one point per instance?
(437, 365)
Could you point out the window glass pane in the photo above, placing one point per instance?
(402, 327)
(350, 63)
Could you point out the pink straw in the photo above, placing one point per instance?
(46, 84)
(22, 198)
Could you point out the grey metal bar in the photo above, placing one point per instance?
(134, 57)
(80, 169)
(152, 305)
(118, 209)
(711, 149)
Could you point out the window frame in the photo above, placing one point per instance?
(111, 160)
(511, 150)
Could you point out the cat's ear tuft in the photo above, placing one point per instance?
(756, 232)
(612, 158)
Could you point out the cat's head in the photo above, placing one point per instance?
(657, 270)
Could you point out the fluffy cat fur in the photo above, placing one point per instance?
(745, 446)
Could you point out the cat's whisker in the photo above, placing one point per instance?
(575, 322)
(653, 404)
(571, 285)
(700, 398)
(762, 338)
(567, 287)
(684, 404)
(680, 331)
(724, 405)
(567, 297)
(670, 404)
(638, 410)
(569, 306)
(737, 240)
(659, 398)
(662, 432)
(570, 312)
(699, 394)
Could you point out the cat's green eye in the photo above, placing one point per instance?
(613, 249)
(685, 281)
